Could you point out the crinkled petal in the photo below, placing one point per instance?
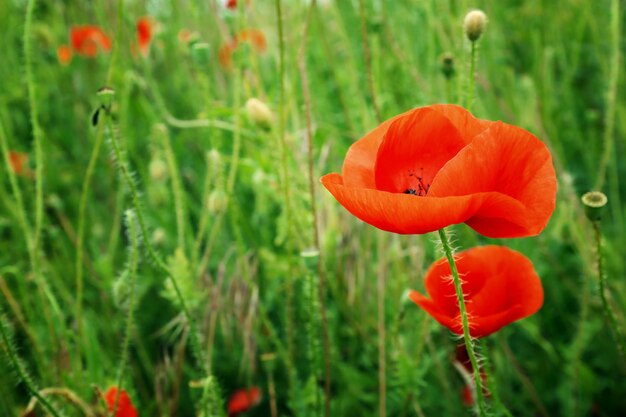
(509, 162)
(402, 213)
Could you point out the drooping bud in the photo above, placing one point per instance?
(447, 64)
(258, 112)
(474, 24)
(594, 202)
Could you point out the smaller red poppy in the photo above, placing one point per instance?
(125, 406)
(243, 400)
(64, 54)
(145, 31)
(87, 39)
(500, 286)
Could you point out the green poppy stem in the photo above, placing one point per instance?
(616, 330)
(471, 75)
(467, 338)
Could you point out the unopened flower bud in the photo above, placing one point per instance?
(158, 236)
(217, 202)
(200, 53)
(258, 112)
(158, 169)
(474, 24)
(447, 65)
(594, 202)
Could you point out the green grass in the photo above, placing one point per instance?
(229, 226)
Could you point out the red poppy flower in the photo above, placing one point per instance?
(19, 163)
(87, 39)
(232, 4)
(243, 400)
(254, 37)
(64, 54)
(500, 286)
(125, 406)
(144, 28)
(438, 165)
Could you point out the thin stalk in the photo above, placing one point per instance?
(132, 278)
(84, 195)
(16, 362)
(34, 120)
(382, 373)
(616, 330)
(472, 75)
(611, 94)
(195, 340)
(177, 188)
(286, 189)
(491, 385)
(367, 58)
(80, 236)
(321, 272)
(467, 338)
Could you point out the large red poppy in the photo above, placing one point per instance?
(439, 165)
(125, 406)
(86, 40)
(499, 285)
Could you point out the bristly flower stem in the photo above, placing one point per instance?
(616, 330)
(321, 273)
(472, 75)
(467, 338)
(16, 362)
(134, 193)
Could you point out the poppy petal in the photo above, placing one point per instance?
(509, 161)
(358, 166)
(402, 213)
(463, 120)
(413, 150)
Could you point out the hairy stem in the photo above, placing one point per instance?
(467, 338)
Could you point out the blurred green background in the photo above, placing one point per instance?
(213, 189)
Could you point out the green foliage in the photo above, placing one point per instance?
(218, 215)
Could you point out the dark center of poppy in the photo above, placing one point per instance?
(420, 187)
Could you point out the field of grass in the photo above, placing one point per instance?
(167, 236)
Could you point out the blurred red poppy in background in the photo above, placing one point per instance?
(64, 54)
(125, 406)
(19, 163)
(145, 31)
(232, 4)
(243, 400)
(254, 37)
(86, 40)
(499, 285)
(438, 165)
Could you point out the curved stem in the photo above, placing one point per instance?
(467, 338)
(611, 93)
(616, 329)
